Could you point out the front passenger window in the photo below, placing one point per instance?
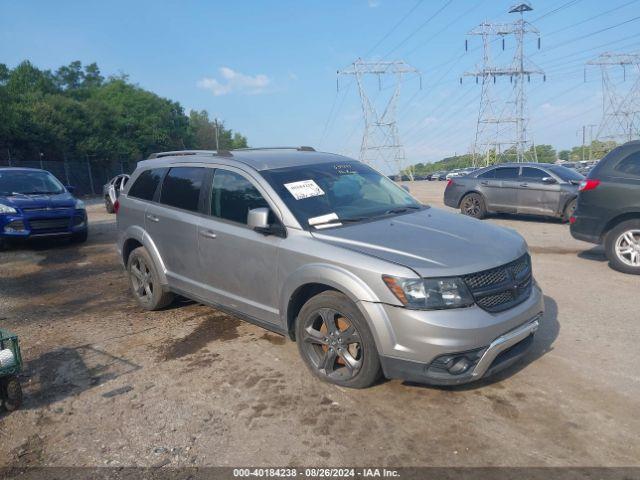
(232, 196)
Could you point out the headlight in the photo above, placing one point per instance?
(7, 209)
(430, 293)
(79, 205)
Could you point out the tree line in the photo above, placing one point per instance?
(542, 153)
(77, 113)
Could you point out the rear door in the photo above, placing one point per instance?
(240, 266)
(500, 188)
(172, 224)
(537, 197)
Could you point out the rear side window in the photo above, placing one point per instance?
(145, 186)
(534, 173)
(488, 174)
(181, 188)
(232, 196)
(630, 165)
(506, 173)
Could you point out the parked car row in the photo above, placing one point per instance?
(603, 208)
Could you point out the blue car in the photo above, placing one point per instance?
(33, 203)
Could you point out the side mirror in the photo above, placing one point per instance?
(405, 188)
(258, 220)
(549, 180)
(70, 188)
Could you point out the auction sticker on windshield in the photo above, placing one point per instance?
(304, 189)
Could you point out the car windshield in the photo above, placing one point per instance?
(566, 174)
(329, 194)
(24, 182)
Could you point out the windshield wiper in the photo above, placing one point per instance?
(339, 221)
(401, 209)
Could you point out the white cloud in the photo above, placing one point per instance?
(235, 82)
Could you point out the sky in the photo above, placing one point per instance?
(268, 68)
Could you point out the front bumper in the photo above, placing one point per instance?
(414, 345)
(60, 223)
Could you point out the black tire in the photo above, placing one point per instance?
(108, 205)
(472, 205)
(344, 354)
(569, 209)
(145, 281)
(80, 237)
(11, 393)
(615, 241)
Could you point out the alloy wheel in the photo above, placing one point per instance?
(333, 344)
(627, 248)
(471, 206)
(141, 279)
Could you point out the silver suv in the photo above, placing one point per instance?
(327, 251)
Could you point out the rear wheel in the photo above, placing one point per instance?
(473, 205)
(335, 341)
(108, 205)
(622, 246)
(569, 209)
(145, 281)
(11, 393)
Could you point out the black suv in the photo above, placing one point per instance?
(609, 207)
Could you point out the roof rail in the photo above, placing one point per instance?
(302, 148)
(181, 153)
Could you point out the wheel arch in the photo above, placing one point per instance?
(313, 279)
(468, 192)
(611, 224)
(137, 237)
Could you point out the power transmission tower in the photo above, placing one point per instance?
(620, 107)
(502, 119)
(381, 146)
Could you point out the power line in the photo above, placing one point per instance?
(393, 29)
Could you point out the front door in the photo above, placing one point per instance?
(535, 196)
(239, 265)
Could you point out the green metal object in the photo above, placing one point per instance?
(10, 341)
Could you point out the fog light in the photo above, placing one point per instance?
(458, 366)
(16, 226)
(7, 359)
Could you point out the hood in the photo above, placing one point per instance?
(59, 200)
(431, 242)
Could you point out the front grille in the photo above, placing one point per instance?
(49, 224)
(45, 209)
(502, 287)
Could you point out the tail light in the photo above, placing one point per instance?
(572, 220)
(588, 184)
(450, 182)
(116, 206)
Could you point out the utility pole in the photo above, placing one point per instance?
(502, 119)
(620, 108)
(381, 146)
(216, 124)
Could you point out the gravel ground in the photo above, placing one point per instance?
(109, 384)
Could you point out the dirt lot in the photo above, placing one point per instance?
(109, 384)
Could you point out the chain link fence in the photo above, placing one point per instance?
(87, 176)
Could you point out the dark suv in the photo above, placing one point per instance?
(608, 209)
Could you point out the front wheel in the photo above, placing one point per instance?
(473, 205)
(11, 393)
(622, 246)
(335, 342)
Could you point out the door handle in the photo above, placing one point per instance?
(153, 218)
(485, 183)
(524, 185)
(207, 233)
